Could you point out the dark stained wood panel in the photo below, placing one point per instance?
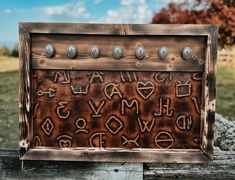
(117, 109)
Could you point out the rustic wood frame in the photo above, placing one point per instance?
(205, 154)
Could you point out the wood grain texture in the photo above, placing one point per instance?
(117, 154)
(118, 29)
(212, 89)
(209, 93)
(24, 91)
(106, 61)
(11, 167)
(179, 125)
(222, 167)
(114, 65)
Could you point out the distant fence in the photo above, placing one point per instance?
(227, 56)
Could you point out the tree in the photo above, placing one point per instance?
(15, 51)
(4, 51)
(220, 12)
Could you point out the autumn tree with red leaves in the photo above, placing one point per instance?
(219, 12)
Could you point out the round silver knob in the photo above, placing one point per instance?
(139, 52)
(72, 51)
(49, 50)
(95, 52)
(163, 53)
(117, 52)
(187, 53)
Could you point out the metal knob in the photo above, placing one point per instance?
(163, 53)
(49, 50)
(72, 51)
(139, 52)
(187, 53)
(117, 52)
(95, 52)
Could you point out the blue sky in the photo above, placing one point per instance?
(97, 11)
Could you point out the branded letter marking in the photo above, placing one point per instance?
(129, 141)
(96, 109)
(164, 105)
(60, 108)
(96, 75)
(97, 138)
(132, 103)
(111, 89)
(145, 125)
(62, 74)
(128, 76)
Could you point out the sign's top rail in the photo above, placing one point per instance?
(119, 29)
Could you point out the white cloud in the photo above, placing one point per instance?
(7, 11)
(130, 11)
(127, 2)
(71, 10)
(97, 1)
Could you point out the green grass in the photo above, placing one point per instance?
(226, 92)
(9, 126)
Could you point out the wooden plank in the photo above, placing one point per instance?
(25, 99)
(117, 29)
(222, 166)
(212, 39)
(209, 94)
(109, 64)
(117, 154)
(11, 167)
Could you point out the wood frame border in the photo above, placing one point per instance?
(116, 154)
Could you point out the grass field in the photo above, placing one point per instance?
(225, 104)
(9, 126)
(8, 64)
(9, 129)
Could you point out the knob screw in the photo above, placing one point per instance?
(187, 53)
(72, 51)
(139, 52)
(95, 52)
(163, 53)
(117, 52)
(49, 50)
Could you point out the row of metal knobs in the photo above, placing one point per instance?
(117, 52)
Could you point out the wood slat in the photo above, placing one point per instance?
(12, 168)
(25, 99)
(222, 166)
(107, 64)
(117, 154)
(211, 78)
(117, 29)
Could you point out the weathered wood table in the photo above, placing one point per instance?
(222, 167)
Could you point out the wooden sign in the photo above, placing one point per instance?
(121, 93)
